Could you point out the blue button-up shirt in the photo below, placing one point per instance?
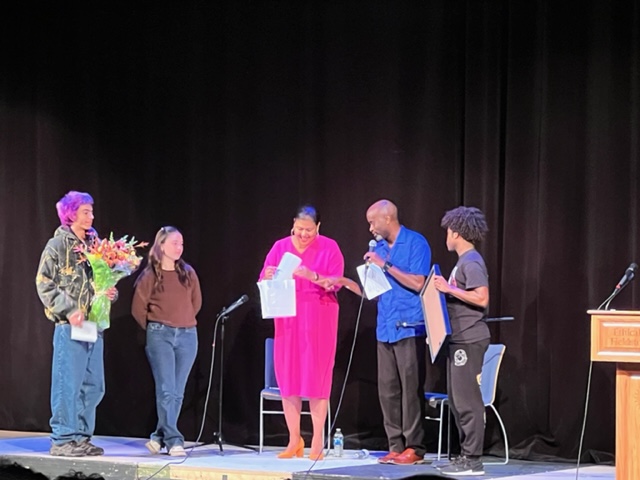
(411, 254)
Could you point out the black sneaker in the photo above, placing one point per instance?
(90, 449)
(69, 449)
(464, 467)
(439, 464)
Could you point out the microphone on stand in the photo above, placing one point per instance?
(242, 300)
(629, 274)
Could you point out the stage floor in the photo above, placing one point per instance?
(128, 459)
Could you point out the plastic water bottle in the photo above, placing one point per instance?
(338, 443)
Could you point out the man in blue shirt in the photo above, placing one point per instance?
(405, 257)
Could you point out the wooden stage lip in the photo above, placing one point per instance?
(128, 459)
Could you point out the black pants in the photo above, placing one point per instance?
(401, 370)
(464, 365)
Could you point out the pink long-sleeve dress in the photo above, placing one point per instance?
(305, 345)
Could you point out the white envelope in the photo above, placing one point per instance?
(278, 298)
(374, 281)
(288, 264)
(87, 332)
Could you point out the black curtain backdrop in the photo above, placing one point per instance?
(222, 117)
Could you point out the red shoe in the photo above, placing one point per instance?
(388, 457)
(408, 457)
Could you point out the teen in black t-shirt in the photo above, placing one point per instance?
(467, 301)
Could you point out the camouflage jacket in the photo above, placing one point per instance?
(64, 279)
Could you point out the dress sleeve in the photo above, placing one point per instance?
(335, 263)
(273, 258)
(141, 296)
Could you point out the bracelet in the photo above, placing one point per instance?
(387, 266)
(317, 277)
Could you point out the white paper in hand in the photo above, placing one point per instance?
(288, 264)
(278, 298)
(376, 282)
(87, 332)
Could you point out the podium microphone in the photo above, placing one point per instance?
(242, 300)
(629, 274)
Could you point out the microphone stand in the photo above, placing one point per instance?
(605, 305)
(217, 436)
(218, 439)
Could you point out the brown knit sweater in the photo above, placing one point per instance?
(174, 304)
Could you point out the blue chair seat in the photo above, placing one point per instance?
(271, 394)
(434, 397)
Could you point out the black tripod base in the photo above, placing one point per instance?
(217, 440)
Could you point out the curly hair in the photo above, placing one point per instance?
(468, 222)
(68, 206)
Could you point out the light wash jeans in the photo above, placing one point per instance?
(171, 352)
(77, 386)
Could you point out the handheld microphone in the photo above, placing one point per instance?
(242, 300)
(629, 274)
(372, 247)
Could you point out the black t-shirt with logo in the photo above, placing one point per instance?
(468, 322)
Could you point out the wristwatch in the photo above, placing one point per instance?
(387, 266)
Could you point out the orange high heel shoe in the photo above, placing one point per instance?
(297, 452)
(316, 456)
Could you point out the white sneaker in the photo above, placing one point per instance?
(153, 447)
(177, 451)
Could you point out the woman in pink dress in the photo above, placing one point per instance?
(305, 345)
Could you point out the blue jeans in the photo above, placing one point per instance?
(77, 386)
(171, 352)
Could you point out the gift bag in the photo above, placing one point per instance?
(278, 298)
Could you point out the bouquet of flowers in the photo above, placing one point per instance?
(111, 260)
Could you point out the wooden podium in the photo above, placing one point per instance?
(615, 337)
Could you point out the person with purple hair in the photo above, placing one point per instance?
(65, 287)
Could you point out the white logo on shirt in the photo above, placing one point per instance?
(460, 358)
(452, 277)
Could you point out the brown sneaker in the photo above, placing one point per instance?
(408, 457)
(90, 449)
(388, 457)
(69, 449)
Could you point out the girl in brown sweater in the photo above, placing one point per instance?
(165, 303)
